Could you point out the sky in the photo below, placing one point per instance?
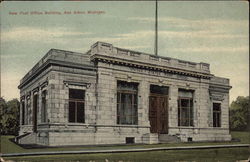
(213, 32)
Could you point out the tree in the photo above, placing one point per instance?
(239, 113)
(9, 117)
(3, 107)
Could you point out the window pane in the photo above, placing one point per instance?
(123, 95)
(72, 112)
(128, 120)
(135, 99)
(44, 108)
(184, 103)
(159, 89)
(214, 120)
(80, 112)
(122, 110)
(185, 108)
(123, 120)
(122, 85)
(216, 106)
(23, 113)
(76, 94)
(134, 112)
(218, 118)
(216, 114)
(127, 103)
(118, 119)
(118, 109)
(185, 117)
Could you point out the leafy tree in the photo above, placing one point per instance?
(3, 107)
(9, 117)
(239, 113)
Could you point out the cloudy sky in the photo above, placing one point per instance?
(212, 32)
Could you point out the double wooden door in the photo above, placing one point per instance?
(158, 113)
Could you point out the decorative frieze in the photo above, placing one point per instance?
(152, 67)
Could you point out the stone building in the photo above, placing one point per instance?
(111, 95)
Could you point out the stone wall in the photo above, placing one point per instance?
(26, 92)
(99, 80)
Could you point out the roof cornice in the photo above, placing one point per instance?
(148, 66)
(51, 62)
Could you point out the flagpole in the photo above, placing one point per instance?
(156, 27)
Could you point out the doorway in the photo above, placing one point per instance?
(158, 109)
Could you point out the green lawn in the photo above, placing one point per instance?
(231, 154)
(227, 155)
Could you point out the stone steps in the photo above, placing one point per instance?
(27, 138)
(166, 138)
(150, 138)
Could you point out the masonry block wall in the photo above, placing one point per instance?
(97, 73)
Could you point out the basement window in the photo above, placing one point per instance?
(216, 115)
(76, 106)
(130, 140)
(127, 103)
(189, 139)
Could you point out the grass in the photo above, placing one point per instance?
(9, 147)
(194, 155)
(243, 136)
(227, 155)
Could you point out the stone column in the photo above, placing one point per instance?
(143, 104)
(173, 106)
(106, 97)
(225, 112)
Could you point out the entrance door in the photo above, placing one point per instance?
(35, 101)
(158, 109)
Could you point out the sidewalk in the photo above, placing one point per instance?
(123, 150)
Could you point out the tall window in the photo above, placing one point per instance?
(76, 106)
(44, 107)
(127, 103)
(35, 106)
(185, 108)
(28, 112)
(23, 112)
(216, 115)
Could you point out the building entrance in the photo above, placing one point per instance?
(158, 109)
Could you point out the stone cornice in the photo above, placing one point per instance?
(69, 82)
(139, 64)
(48, 64)
(219, 88)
